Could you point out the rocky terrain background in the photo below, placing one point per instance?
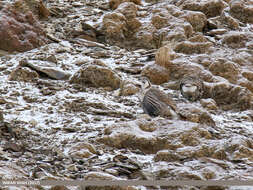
(70, 76)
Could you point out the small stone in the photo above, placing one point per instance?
(209, 104)
(23, 74)
(128, 88)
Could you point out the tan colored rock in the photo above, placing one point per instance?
(130, 135)
(146, 125)
(166, 155)
(128, 88)
(210, 8)
(209, 104)
(242, 10)
(248, 75)
(229, 96)
(160, 18)
(82, 150)
(195, 114)
(187, 47)
(235, 39)
(196, 19)
(226, 69)
(246, 83)
(114, 24)
(24, 74)
(181, 68)
(94, 74)
(129, 10)
(156, 74)
(115, 3)
(144, 38)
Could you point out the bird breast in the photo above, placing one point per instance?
(188, 88)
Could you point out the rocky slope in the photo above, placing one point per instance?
(70, 75)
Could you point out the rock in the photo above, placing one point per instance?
(209, 104)
(187, 47)
(144, 38)
(235, 39)
(82, 150)
(156, 74)
(146, 125)
(210, 8)
(19, 30)
(47, 68)
(128, 88)
(166, 155)
(196, 19)
(181, 68)
(24, 74)
(129, 10)
(246, 83)
(248, 75)
(113, 26)
(239, 148)
(96, 74)
(131, 134)
(195, 114)
(242, 10)
(102, 176)
(59, 187)
(115, 3)
(229, 96)
(226, 69)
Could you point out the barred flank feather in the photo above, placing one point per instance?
(151, 105)
(156, 102)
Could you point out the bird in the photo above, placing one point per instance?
(155, 102)
(192, 88)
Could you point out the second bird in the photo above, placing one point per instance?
(156, 103)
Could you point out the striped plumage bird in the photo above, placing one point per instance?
(156, 103)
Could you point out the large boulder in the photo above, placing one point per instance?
(242, 10)
(210, 8)
(19, 29)
(96, 74)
